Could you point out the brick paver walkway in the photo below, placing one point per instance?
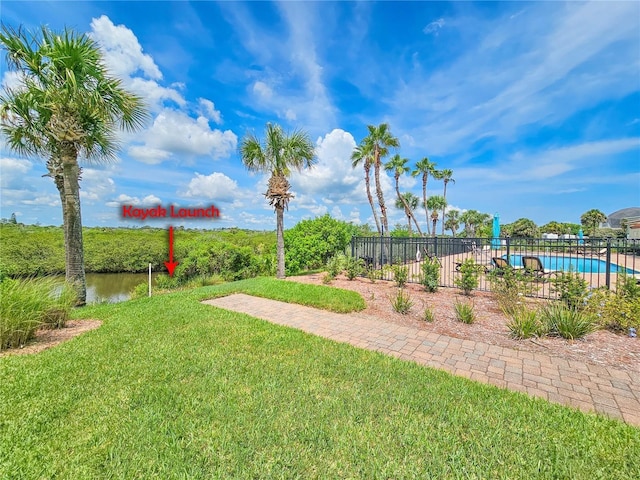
(586, 386)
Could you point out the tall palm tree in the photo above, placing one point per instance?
(378, 142)
(436, 203)
(446, 176)
(425, 167)
(407, 202)
(361, 154)
(277, 155)
(453, 221)
(65, 107)
(398, 166)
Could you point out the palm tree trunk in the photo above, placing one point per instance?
(383, 208)
(424, 199)
(367, 182)
(445, 205)
(74, 254)
(280, 241)
(408, 221)
(435, 221)
(407, 210)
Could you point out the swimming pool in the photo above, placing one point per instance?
(577, 264)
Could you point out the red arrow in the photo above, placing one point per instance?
(171, 265)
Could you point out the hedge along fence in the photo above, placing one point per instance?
(598, 261)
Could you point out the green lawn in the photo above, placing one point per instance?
(171, 388)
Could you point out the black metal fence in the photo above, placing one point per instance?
(598, 260)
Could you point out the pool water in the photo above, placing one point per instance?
(577, 264)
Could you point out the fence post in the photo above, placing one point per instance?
(508, 249)
(607, 277)
(353, 246)
(381, 253)
(435, 246)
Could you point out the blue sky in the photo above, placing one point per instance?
(534, 106)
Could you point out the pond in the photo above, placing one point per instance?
(112, 287)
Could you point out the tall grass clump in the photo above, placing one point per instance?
(525, 323)
(401, 302)
(28, 304)
(566, 322)
(465, 312)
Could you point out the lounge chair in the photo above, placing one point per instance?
(599, 253)
(533, 266)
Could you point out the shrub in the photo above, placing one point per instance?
(469, 274)
(401, 302)
(430, 277)
(165, 282)
(311, 243)
(28, 304)
(353, 267)
(327, 278)
(336, 264)
(567, 322)
(465, 312)
(525, 323)
(373, 274)
(510, 286)
(617, 311)
(140, 290)
(400, 275)
(572, 289)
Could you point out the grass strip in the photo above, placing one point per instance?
(319, 296)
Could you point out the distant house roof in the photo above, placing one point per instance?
(613, 220)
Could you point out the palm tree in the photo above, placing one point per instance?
(66, 107)
(591, 219)
(426, 168)
(453, 221)
(278, 155)
(446, 176)
(407, 202)
(399, 167)
(472, 219)
(378, 142)
(361, 154)
(436, 203)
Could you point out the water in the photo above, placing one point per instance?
(112, 287)
(577, 264)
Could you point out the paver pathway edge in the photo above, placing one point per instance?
(589, 387)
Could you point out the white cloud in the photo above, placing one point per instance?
(123, 199)
(122, 51)
(44, 200)
(208, 109)
(11, 79)
(95, 185)
(434, 27)
(151, 156)
(154, 94)
(174, 133)
(290, 115)
(13, 171)
(216, 186)
(332, 177)
(262, 90)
